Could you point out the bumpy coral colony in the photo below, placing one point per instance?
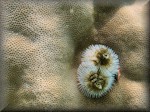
(97, 72)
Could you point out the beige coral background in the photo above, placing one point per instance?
(42, 42)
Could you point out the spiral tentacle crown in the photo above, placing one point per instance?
(97, 71)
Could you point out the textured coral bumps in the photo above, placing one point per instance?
(97, 72)
(39, 38)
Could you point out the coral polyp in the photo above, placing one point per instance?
(98, 70)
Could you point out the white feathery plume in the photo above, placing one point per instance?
(91, 55)
(96, 73)
(89, 87)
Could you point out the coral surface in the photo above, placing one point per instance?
(42, 43)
